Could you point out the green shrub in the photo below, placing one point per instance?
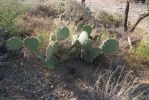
(142, 50)
(10, 12)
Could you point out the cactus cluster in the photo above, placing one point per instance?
(82, 45)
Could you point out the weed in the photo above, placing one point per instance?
(142, 50)
(123, 87)
(10, 13)
(109, 20)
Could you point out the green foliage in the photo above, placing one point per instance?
(14, 43)
(110, 46)
(142, 50)
(82, 46)
(10, 12)
(31, 43)
(62, 33)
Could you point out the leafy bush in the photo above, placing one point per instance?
(10, 11)
(142, 50)
(56, 53)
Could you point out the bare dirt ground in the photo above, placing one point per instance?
(113, 7)
(26, 79)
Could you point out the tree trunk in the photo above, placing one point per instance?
(126, 17)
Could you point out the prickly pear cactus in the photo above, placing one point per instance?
(49, 64)
(87, 44)
(14, 43)
(80, 26)
(53, 37)
(89, 56)
(74, 39)
(64, 57)
(41, 39)
(31, 43)
(110, 46)
(62, 33)
(83, 37)
(87, 28)
(52, 49)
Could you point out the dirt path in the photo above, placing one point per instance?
(111, 6)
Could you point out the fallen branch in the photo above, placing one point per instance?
(138, 21)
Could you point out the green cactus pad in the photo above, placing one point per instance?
(49, 52)
(53, 37)
(62, 33)
(74, 39)
(80, 26)
(40, 37)
(87, 44)
(52, 49)
(83, 37)
(89, 56)
(49, 64)
(31, 43)
(87, 28)
(110, 46)
(14, 43)
(56, 47)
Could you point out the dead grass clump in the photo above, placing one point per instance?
(74, 11)
(108, 20)
(124, 87)
(43, 11)
(48, 8)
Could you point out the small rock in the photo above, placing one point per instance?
(73, 99)
(71, 94)
(21, 64)
(51, 86)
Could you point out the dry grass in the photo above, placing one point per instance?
(124, 87)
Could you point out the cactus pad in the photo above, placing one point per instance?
(53, 37)
(89, 56)
(110, 46)
(14, 43)
(31, 43)
(87, 28)
(52, 49)
(49, 64)
(62, 33)
(40, 37)
(80, 26)
(87, 44)
(74, 39)
(83, 37)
